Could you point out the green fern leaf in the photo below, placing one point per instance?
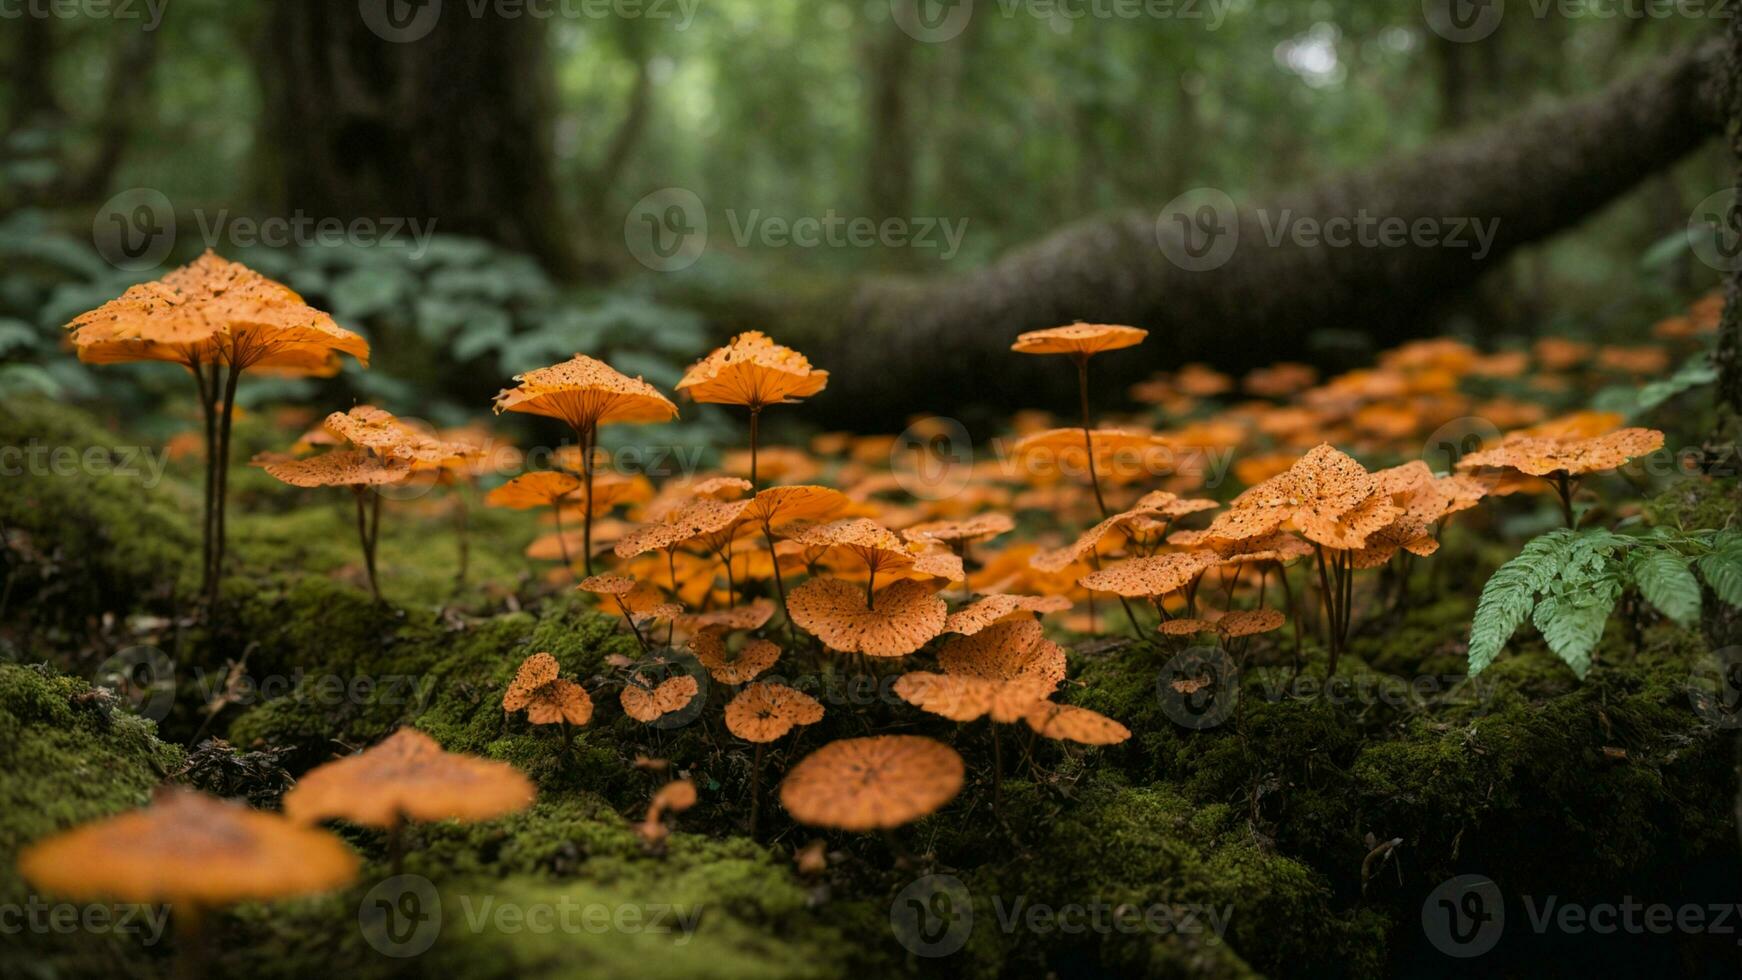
(1722, 570)
(1666, 581)
(1511, 593)
(1573, 628)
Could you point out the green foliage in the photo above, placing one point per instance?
(1568, 582)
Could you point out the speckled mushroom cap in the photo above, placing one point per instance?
(1078, 338)
(903, 617)
(987, 610)
(1140, 578)
(408, 776)
(1545, 456)
(541, 488)
(752, 370)
(1005, 651)
(188, 848)
(651, 704)
(340, 468)
(959, 697)
(872, 783)
(585, 392)
(1067, 722)
(764, 712)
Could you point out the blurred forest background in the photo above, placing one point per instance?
(529, 138)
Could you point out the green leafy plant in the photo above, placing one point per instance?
(1567, 583)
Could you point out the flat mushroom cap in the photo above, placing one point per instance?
(540, 488)
(1543, 456)
(212, 309)
(1005, 651)
(709, 646)
(875, 544)
(651, 704)
(1185, 627)
(801, 502)
(765, 712)
(340, 468)
(959, 697)
(535, 672)
(1067, 722)
(987, 610)
(1248, 622)
(408, 776)
(617, 585)
(863, 784)
(695, 519)
(560, 701)
(585, 392)
(752, 370)
(746, 617)
(906, 615)
(188, 848)
(969, 529)
(1139, 578)
(1078, 338)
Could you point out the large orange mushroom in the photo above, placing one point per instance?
(755, 372)
(216, 318)
(586, 393)
(875, 783)
(1081, 341)
(407, 777)
(763, 713)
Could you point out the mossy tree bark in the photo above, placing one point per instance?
(947, 338)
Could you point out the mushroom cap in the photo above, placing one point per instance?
(1248, 622)
(987, 610)
(674, 797)
(1067, 722)
(764, 712)
(975, 528)
(904, 616)
(546, 699)
(1326, 495)
(756, 656)
(801, 502)
(752, 370)
(1543, 456)
(1079, 338)
(697, 518)
(1185, 627)
(340, 468)
(1005, 651)
(651, 704)
(408, 776)
(875, 544)
(188, 848)
(540, 488)
(210, 310)
(721, 487)
(368, 427)
(746, 617)
(874, 783)
(959, 697)
(1140, 578)
(616, 585)
(585, 392)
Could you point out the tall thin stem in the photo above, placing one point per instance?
(1563, 487)
(223, 474)
(755, 789)
(755, 418)
(562, 543)
(1088, 437)
(209, 413)
(588, 438)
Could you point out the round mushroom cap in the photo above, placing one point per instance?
(988, 610)
(651, 704)
(1067, 722)
(872, 783)
(408, 777)
(585, 392)
(1005, 651)
(540, 488)
(188, 848)
(340, 468)
(1079, 338)
(801, 502)
(960, 697)
(1139, 578)
(766, 712)
(756, 656)
(903, 618)
(752, 370)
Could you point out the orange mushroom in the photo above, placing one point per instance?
(875, 783)
(1081, 341)
(407, 777)
(586, 393)
(546, 698)
(755, 372)
(762, 713)
(357, 469)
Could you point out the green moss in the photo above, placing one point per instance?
(67, 757)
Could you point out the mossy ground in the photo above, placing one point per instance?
(1591, 791)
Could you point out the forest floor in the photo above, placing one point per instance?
(1303, 834)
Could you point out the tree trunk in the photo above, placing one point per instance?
(1729, 353)
(447, 123)
(944, 342)
(889, 188)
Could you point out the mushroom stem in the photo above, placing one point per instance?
(190, 934)
(1330, 601)
(1088, 439)
(755, 418)
(208, 412)
(463, 527)
(871, 588)
(365, 539)
(779, 581)
(396, 844)
(222, 470)
(1563, 487)
(997, 770)
(589, 436)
